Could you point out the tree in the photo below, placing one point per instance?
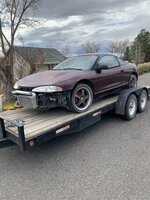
(13, 15)
(91, 47)
(136, 53)
(141, 47)
(119, 46)
(127, 54)
(3, 80)
(112, 47)
(66, 50)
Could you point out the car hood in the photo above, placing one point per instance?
(52, 77)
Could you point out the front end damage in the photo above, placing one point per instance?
(42, 100)
(26, 99)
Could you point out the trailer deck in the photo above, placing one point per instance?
(26, 126)
(36, 122)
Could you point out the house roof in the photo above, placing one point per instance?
(44, 55)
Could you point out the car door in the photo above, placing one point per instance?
(109, 78)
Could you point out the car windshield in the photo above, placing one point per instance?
(77, 63)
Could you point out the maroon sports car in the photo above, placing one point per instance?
(75, 82)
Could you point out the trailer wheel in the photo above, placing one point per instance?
(81, 98)
(131, 107)
(142, 101)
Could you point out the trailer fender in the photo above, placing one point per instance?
(123, 97)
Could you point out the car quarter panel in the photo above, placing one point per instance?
(127, 70)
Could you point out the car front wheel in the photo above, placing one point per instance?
(81, 98)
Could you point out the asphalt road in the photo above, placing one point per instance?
(108, 161)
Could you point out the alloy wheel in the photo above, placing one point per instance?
(82, 98)
(133, 82)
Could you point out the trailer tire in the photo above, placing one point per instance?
(131, 107)
(142, 101)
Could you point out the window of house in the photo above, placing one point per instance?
(50, 67)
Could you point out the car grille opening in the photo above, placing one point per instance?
(26, 89)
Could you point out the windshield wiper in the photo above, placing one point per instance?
(72, 69)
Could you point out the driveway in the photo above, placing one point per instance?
(110, 160)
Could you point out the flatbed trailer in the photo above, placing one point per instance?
(26, 127)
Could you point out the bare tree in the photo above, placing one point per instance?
(13, 15)
(139, 55)
(91, 47)
(119, 46)
(66, 50)
(112, 47)
(3, 80)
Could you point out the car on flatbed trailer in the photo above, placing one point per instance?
(75, 82)
(26, 127)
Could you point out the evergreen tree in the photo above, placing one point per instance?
(127, 54)
(141, 47)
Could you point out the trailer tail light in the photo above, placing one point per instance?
(62, 129)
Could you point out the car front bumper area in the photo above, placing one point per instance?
(26, 99)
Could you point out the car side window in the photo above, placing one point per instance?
(110, 61)
(121, 61)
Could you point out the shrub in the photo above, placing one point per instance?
(144, 68)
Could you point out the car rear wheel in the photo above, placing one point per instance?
(81, 98)
(133, 81)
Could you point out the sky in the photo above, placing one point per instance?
(72, 23)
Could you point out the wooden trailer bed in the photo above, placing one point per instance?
(37, 122)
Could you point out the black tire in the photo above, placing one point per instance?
(142, 101)
(131, 107)
(133, 81)
(81, 98)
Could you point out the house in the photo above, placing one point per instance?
(30, 59)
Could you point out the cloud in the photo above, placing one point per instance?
(65, 8)
(72, 23)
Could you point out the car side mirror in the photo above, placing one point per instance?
(101, 67)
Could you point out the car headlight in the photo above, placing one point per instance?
(47, 89)
(16, 86)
